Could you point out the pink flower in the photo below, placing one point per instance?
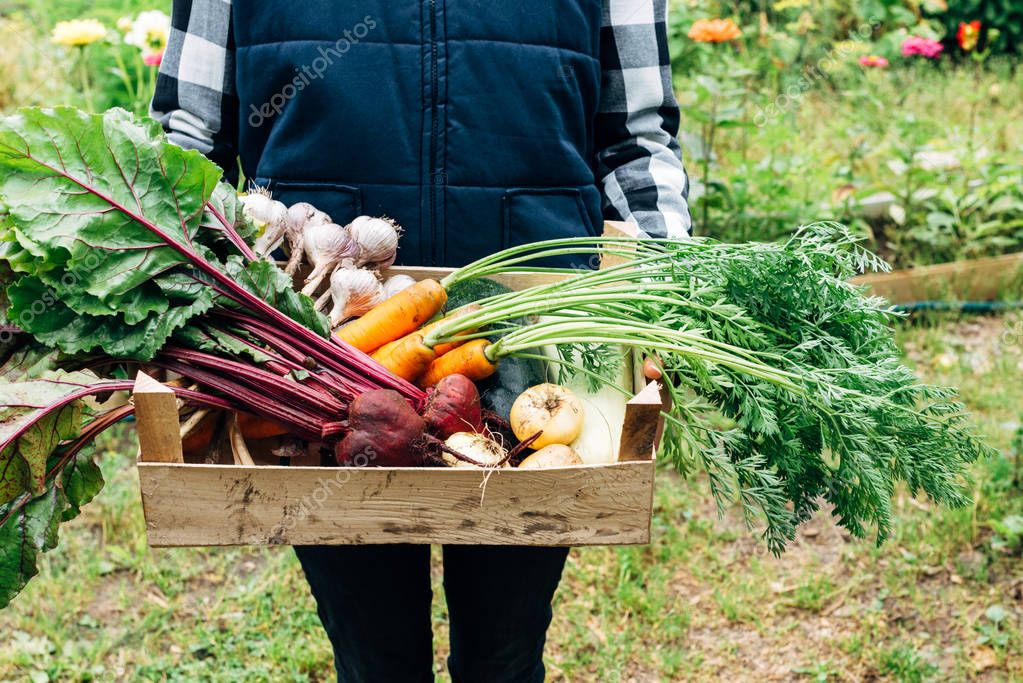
(152, 58)
(874, 61)
(924, 47)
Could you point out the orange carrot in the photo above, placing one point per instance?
(468, 359)
(402, 313)
(382, 352)
(409, 359)
(198, 440)
(253, 427)
(439, 349)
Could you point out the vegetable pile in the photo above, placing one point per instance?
(121, 251)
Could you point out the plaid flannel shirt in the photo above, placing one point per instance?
(638, 162)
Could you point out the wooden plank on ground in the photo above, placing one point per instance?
(986, 279)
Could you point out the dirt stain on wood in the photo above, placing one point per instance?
(392, 528)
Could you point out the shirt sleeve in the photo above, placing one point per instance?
(195, 99)
(639, 160)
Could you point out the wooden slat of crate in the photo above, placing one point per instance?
(983, 279)
(189, 505)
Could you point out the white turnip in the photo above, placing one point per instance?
(550, 409)
(481, 450)
(554, 455)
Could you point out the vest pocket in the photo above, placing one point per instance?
(533, 215)
(343, 203)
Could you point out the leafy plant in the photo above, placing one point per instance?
(905, 664)
(941, 216)
(1008, 534)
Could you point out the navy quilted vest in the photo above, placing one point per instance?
(468, 121)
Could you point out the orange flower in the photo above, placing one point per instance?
(714, 31)
(968, 35)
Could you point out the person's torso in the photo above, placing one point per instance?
(469, 122)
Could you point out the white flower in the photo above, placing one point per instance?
(149, 33)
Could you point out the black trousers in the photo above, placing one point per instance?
(374, 602)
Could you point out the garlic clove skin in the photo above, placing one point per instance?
(396, 283)
(377, 239)
(354, 292)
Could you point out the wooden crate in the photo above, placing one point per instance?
(192, 504)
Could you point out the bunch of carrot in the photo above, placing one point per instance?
(397, 334)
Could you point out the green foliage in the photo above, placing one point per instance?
(969, 217)
(84, 194)
(29, 529)
(112, 241)
(886, 14)
(23, 464)
(862, 421)
(905, 664)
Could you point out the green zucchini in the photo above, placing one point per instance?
(514, 375)
(468, 291)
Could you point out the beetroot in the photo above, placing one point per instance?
(385, 432)
(453, 406)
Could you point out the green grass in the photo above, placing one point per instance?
(703, 602)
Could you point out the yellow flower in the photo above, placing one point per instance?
(78, 33)
(124, 24)
(783, 5)
(714, 31)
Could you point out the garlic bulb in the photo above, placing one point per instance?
(300, 215)
(269, 216)
(354, 291)
(377, 239)
(304, 212)
(396, 283)
(326, 245)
